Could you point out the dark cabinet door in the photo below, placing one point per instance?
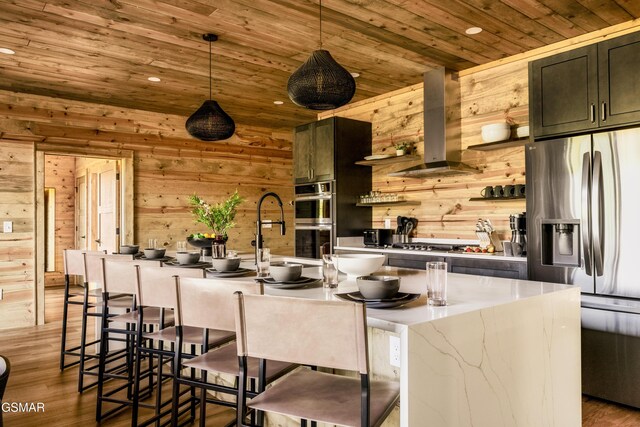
(564, 92)
(487, 267)
(619, 65)
(302, 153)
(323, 151)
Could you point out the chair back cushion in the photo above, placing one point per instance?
(94, 271)
(322, 333)
(208, 303)
(74, 261)
(157, 286)
(120, 276)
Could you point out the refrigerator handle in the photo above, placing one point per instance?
(597, 212)
(586, 217)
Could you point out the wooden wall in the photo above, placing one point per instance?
(17, 255)
(59, 173)
(168, 166)
(445, 210)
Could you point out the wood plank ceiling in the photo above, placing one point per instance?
(104, 50)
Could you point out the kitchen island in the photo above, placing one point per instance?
(504, 352)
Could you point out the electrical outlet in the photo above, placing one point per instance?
(8, 226)
(267, 224)
(387, 223)
(394, 350)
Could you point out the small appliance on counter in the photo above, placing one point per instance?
(378, 237)
(518, 225)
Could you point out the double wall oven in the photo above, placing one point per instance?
(314, 218)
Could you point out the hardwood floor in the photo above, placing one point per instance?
(35, 377)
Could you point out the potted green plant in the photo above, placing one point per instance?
(217, 217)
(402, 148)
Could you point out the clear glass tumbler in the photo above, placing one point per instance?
(263, 262)
(330, 270)
(437, 283)
(218, 250)
(153, 243)
(181, 246)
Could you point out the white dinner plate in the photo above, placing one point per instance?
(378, 156)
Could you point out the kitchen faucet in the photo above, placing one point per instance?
(258, 241)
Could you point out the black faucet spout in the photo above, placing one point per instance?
(259, 242)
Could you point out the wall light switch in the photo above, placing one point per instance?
(8, 226)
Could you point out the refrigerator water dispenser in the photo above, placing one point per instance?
(561, 243)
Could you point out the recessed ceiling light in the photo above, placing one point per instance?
(473, 30)
(355, 75)
(6, 51)
(153, 79)
(278, 102)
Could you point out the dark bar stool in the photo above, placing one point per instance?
(76, 295)
(289, 329)
(5, 370)
(119, 277)
(209, 304)
(157, 290)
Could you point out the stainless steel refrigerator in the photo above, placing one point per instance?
(583, 228)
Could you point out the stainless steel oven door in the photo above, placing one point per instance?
(309, 239)
(313, 211)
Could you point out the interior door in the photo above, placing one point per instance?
(107, 207)
(81, 212)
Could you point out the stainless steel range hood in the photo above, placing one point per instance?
(442, 135)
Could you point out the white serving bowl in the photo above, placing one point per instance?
(355, 265)
(496, 132)
(522, 131)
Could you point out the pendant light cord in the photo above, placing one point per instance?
(320, 24)
(210, 70)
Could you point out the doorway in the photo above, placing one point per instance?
(91, 208)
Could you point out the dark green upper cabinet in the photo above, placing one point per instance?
(564, 92)
(593, 87)
(324, 149)
(619, 70)
(313, 150)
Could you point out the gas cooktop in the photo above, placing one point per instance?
(431, 247)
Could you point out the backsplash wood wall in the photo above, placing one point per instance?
(445, 211)
(168, 166)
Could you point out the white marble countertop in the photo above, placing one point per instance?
(466, 293)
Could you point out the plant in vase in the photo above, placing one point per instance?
(402, 148)
(217, 217)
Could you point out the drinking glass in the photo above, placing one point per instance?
(181, 246)
(263, 262)
(329, 267)
(218, 250)
(437, 283)
(153, 243)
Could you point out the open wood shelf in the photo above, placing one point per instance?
(398, 203)
(496, 199)
(389, 160)
(499, 145)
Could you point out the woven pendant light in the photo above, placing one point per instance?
(210, 122)
(321, 83)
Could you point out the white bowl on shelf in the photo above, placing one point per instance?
(355, 265)
(522, 131)
(496, 132)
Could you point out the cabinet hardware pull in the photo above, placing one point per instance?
(592, 113)
(604, 111)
